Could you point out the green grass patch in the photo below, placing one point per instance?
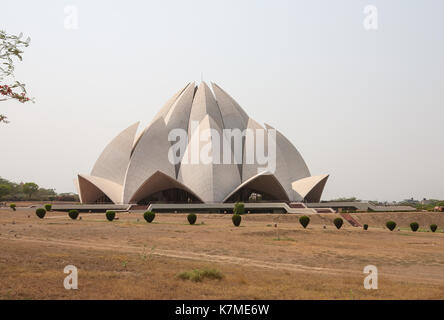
(197, 275)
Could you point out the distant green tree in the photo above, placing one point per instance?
(30, 188)
(47, 192)
(16, 193)
(343, 199)
(5, 190)
(67, 197)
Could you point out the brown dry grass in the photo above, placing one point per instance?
(131, 259)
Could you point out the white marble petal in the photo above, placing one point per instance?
(113, 161)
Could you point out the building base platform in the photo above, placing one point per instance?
(250, 207)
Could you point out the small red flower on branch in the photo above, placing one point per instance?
(8, 93)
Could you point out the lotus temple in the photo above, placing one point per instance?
(136, 168)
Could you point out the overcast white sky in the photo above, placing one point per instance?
(365, 106)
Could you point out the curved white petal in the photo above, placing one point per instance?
(310, 188)
(162, 112)
(158, 182)
(211, 182)
(149, 156)
(252, 169)
(91, 188)
(264, 182)
(290, 166)
(179, 113)
(297, 167)
(204, 104)
(166, 107)
(113, 161)
(232, 114)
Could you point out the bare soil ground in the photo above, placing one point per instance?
(131, 259)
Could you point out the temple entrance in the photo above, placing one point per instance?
(173, 195)
(103, 199)
(251, 195)
(261, 188)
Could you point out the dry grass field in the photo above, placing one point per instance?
(131, 259)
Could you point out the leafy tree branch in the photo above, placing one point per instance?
(11, 48)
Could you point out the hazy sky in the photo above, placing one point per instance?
(365, 106)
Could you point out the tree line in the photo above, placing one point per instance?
(11, 191)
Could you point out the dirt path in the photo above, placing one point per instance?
(224, 259)
(178, 254)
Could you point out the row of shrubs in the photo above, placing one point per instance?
(148, 216)
(236, 218)
(414, 226)
(192, 218)
(391, 225)
(41, 212)
(304, 221)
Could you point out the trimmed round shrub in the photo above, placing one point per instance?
(365, 226)
(239, 208)
(192, 218)
(414, 226)
(13, 206)
(237, 218)
(391, 225)
(304, 221)
(110, 215)
(338, 222)
(48, 207)
(149, 216)
(433, 227)
(73, 214)
(40, 212)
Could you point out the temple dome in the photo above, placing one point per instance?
(137, 169)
